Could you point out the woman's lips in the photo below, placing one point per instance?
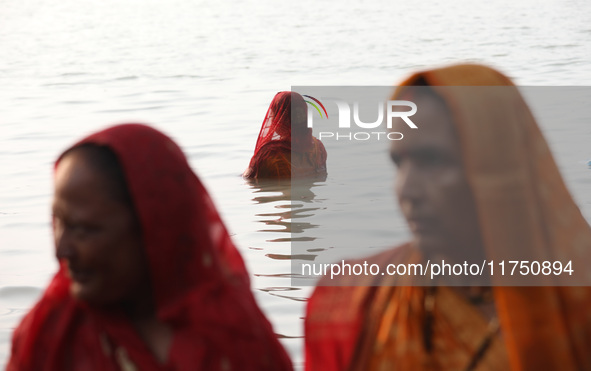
(79, 275)
(420, 225)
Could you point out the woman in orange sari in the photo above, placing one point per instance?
(149, 278)
(285, 146)
(477, 178)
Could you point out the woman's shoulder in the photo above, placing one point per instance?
(336, 309)
(395, 255)
(37, 332)
(319, 146)
(274, 153)
(348, 286)
(272, 160)
(275, 146)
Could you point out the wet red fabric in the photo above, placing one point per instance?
(200, 284)
(283, 149)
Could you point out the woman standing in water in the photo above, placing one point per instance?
(149, 278)
(285, 146)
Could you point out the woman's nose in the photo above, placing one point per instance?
(408, 184)
(64, 247)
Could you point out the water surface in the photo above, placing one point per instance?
(204, 72)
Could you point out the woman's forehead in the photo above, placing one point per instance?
(435, 127)
(78, 176)
(75, 173)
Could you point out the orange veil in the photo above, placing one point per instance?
(524, 210)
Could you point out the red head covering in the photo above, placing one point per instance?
(199, 281)
(277, 125)
(280, 137)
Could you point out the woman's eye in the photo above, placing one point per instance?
(432, 159)
(396, 159)
(82, 230)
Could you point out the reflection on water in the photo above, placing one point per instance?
(276, 290)
(284, 209)
(294, 206)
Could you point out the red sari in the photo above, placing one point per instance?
(282, 149)
(200, 284)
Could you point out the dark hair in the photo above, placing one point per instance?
(104, 160)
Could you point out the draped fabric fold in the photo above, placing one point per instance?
(199, 281)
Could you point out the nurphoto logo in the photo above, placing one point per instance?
(394, 109)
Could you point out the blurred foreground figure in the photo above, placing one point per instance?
(149, 278)
(285, 146)
(475, 181)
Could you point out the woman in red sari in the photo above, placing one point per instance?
(285, 146)
(149, 278)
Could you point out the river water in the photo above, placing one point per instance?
(204, 72)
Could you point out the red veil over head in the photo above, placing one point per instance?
(199, 281)
(277, 125)
(284, 133)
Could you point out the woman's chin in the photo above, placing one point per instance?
(82, 292)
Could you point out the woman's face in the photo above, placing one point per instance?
(431, 185)
(97, 237)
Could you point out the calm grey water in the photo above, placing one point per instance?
(205, 72)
